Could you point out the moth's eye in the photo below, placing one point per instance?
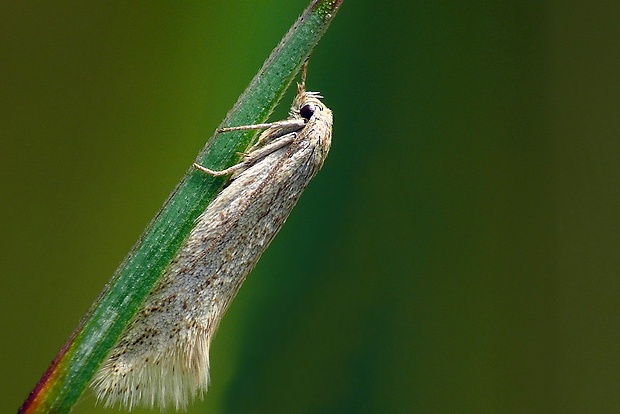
(307, 111)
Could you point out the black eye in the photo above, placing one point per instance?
(307, 111)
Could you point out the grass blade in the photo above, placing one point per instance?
(72, 369)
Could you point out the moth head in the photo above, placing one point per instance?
(306, 105)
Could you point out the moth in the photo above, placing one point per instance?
(162, 356)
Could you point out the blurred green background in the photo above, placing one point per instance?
(459, 252)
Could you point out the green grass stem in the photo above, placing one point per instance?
(76, 363)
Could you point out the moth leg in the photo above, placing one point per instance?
(220, 173)
(278, 131)
(252, 157)
(286, 123)
(256, 153)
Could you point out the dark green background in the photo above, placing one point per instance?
(458, 253)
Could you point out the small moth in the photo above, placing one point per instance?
(162, 356)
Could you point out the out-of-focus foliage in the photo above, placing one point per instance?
(458, 253)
